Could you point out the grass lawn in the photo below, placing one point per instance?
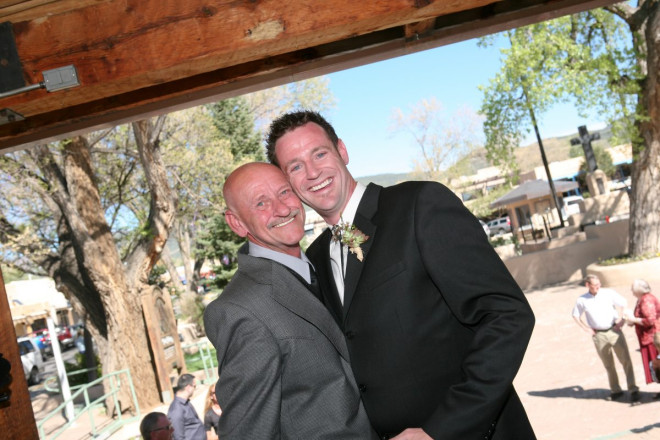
(194, 362)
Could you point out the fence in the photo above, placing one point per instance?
(115, 381)
(205, 354)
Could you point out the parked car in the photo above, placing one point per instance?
(485, 226)
(31, 358)
(64, 336)
(42, 340)
(572, 205)
(499, 226)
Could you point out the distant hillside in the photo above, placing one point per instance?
(388, 179)
(528, 157)
(556, 149)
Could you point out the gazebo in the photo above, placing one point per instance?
(531, 204)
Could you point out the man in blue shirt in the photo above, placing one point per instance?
(182, 415)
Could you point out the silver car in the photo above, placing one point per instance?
(500, 226)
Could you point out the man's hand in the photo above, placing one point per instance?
(412, 434)
(589, 330)
(618, 325)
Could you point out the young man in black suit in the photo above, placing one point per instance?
(435, 325)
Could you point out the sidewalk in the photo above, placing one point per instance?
(562, 383)
(132, 431)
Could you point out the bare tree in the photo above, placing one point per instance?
(55, 221)
(445, 143)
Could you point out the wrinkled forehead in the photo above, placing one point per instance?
(262, 189)
(257, 179)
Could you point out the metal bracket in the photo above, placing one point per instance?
(8, 115)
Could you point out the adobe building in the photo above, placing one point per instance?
(31, 302)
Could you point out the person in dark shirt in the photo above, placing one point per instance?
(212, 412)
(182, 415)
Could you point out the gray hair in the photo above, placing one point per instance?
(640, 286)
(591, 278)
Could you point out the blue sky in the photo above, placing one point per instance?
(367, 95)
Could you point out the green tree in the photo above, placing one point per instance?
(604, 161)
(241, 122)
(10, 274)
(606, 59)
(218, 243)
(198, 158)
(234, 122)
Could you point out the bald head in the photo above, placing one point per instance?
(242, 175)
(262, 207)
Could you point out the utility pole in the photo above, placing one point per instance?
(545, 160)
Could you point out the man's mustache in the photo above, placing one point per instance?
(294, 212)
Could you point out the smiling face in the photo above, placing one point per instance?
(316, 169)
(262, 207)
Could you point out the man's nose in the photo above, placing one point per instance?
(312, 170)
(281, 208)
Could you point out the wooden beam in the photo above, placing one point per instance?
(117, 92)
(158, 41)
(16, 415)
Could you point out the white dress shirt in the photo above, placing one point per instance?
(339, 272)
(600, 310)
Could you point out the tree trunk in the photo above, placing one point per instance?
(645, 196)
(103, 271)
(167, 260)
(192, 277)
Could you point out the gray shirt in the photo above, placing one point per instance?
(298, 265)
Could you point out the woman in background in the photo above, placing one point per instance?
(645, 320)
(212, 413)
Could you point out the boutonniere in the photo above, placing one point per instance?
(351, 236)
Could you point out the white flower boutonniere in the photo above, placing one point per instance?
(351, 236)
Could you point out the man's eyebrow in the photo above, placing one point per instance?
(297, 159)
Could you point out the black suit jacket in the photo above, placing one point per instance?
(435, 325)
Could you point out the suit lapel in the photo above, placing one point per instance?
(326, 279)
(365, 212)
(292, 294)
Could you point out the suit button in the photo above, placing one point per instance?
(362, 388)
(349, 335)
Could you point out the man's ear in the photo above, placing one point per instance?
(343, 153)
(235, 224)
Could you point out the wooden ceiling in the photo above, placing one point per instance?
(136, 58)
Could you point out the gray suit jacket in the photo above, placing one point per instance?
(283, 363)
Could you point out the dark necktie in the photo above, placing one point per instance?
(314, 283)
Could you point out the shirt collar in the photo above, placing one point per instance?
(182, 400)
(350, 210)
(298, 265)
